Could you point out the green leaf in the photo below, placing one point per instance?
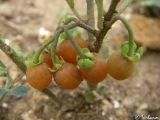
(19, 90)
(85, 63)
(150, 3)
(89, 97)
(3, 91)
(3, 69)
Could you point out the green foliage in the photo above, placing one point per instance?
(19, 90)
(3, 91)
(89, 97)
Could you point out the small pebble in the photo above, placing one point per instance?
(103, 113)
(116, 104)
(5, 105)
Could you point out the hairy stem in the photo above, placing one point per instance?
(12, 55)
(87, 27)
(91, 38)
(100, 9)
(20, 63)
(75, 12)
(91, 22)
(112, 9)
(75, 45)
(108, 21)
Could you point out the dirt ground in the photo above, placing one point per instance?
(119, 100)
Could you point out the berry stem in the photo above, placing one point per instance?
(54, 46)
(38, 53)
(130, 33)
(75, 45)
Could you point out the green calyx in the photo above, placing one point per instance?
(87, 61)
(136, 52)
(87, 53)
(55, 68)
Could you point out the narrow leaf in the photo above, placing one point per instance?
(19, 90)
(2, 91)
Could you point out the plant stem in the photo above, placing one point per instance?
(123, 6)
(112, 9)
(54, 45)
(20, 64)
(40, 50)
(3, 96)
(89, 28)
(75, 45)
(130, 33)
(12, 55)
(72, 7)
(108, 21)
(91, 21)
(51, 95)
(91, 38)
(8, 81)
(100, 9)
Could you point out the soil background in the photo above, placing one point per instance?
(20, 21)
